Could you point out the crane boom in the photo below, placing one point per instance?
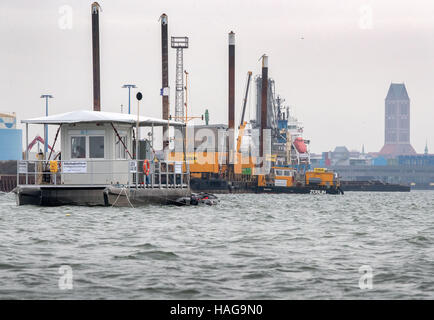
(243, 124)
(238, 165)
(249, 76)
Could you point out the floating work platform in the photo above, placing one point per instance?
(165, 183)
(98, 166)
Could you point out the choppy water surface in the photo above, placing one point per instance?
(248, 247)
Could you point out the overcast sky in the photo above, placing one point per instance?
(337, 77)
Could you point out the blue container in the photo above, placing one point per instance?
(11, 145)
(379, 161)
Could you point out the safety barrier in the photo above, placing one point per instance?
(91, 172)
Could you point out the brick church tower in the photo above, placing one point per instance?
(397, 122)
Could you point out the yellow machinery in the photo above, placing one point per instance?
(202, 162)
(322, 178)
(206, 164)
(283, 176)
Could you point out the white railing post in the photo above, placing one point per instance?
(137, 169)
(167, 175)
(174, 176)
(159, 174)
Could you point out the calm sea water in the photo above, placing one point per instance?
(248, 247)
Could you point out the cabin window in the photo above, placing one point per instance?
(119, 148)
(78, 147)
(278, 172)
(96, 147)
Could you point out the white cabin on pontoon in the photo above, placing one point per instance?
(97, 147)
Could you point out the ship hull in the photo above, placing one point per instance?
(205, 185)
(298, 190)
(373, 187)
(97, 196)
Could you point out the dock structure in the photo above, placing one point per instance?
(96, 166)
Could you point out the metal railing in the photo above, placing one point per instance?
(91, 172)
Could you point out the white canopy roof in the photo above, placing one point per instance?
(86, 116)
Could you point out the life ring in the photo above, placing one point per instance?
(146, 167)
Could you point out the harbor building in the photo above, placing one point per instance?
(397, 162)
(397, 122)
(415, 170)
(10, 138)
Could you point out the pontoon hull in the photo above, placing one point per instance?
(96, 195)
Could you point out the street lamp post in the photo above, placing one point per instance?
(139, 97)
(46, 97)
(129, 86)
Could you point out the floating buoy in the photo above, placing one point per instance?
(67, 214)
